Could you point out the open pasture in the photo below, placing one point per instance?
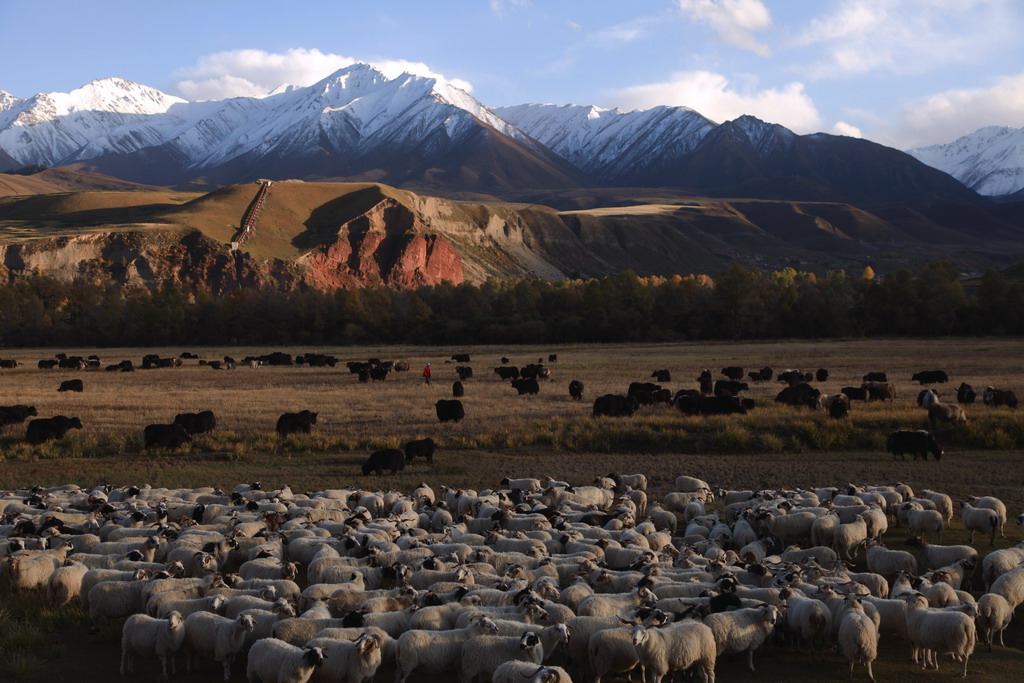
(505, 434)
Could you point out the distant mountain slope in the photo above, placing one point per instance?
(329, 235)
(415, 132)
(990, 160)
(51, 180)
(354, 123)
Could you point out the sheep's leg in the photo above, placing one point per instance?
(124, 661)
(851, 668)
(964, 674)
(1001, 631)
(750, 658)
(870, 674)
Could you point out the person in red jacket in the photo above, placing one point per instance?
(426, 373)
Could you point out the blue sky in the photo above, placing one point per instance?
(901, 72)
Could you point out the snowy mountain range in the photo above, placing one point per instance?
(413, 131)
(990, 160)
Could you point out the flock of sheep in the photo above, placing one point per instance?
(535, 580)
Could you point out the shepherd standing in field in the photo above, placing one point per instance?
(426, 373)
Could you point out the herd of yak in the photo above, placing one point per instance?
(711, 397)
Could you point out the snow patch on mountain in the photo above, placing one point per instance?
(990, 160)
(607, 142)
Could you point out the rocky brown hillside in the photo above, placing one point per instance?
(329, 235)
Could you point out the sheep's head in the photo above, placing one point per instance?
(313, 657)
(528, 640)
(368, 643)
(639, 635)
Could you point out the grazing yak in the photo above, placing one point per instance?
(711, 405)
(966, 393)
(733, 372)
(945, 412)
(855, 393)
(526, 386)
(821, 375)
(461, 357)
(379, 373)
(15, 415)
(552, 357)
(880, 391)
(918, 443)
(999, 397)
(875, 377)
(165, 436)
(836, 405)
(576, 389)
(930, 377)
(458, 391)
(202, 422)
(71, 385)
(390, 459)
(510, 372)
(464, 372)
(662, 375)
(926, 397)
(615, 405)
(449, 411)
(792, 377)
(46, 429)
(293, 423)
(420, 448)
(802, 394)
(730, 387)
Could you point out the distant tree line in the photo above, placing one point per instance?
(739, 303)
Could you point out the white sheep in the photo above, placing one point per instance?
(992, 503)
(935, 556)
(613, 604)
(275, 661)
(742, 630)
(994, 615)
(943, 503)
(29, 572)
(580, 631)
(65, 584)
(436, 651)
(482, 654)
(939, 632)
(215, 637)
(351, 660)
(115, 600)
(213, 603)
(848, 537)
(921, 522)
(810, 620)
(524, 672)
(998, 562)
(1011, 586)
(611, 651)
(145, 636)
(677, 647)
(980, 519)
(858, 636)
(888, 563)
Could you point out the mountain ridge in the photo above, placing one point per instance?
(359, 125)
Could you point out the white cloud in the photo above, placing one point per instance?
(903, 36)
(947, 115)
(625, 33)
(735, 21)
(844, 128)
(712, 95)
(498, 6)
(254, 73)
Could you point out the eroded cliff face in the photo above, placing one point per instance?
(382, 237)
(389, 244)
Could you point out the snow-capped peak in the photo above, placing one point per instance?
(990, 160)
(8, 101)
(110, 95)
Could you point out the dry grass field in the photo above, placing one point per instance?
(547, 434)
